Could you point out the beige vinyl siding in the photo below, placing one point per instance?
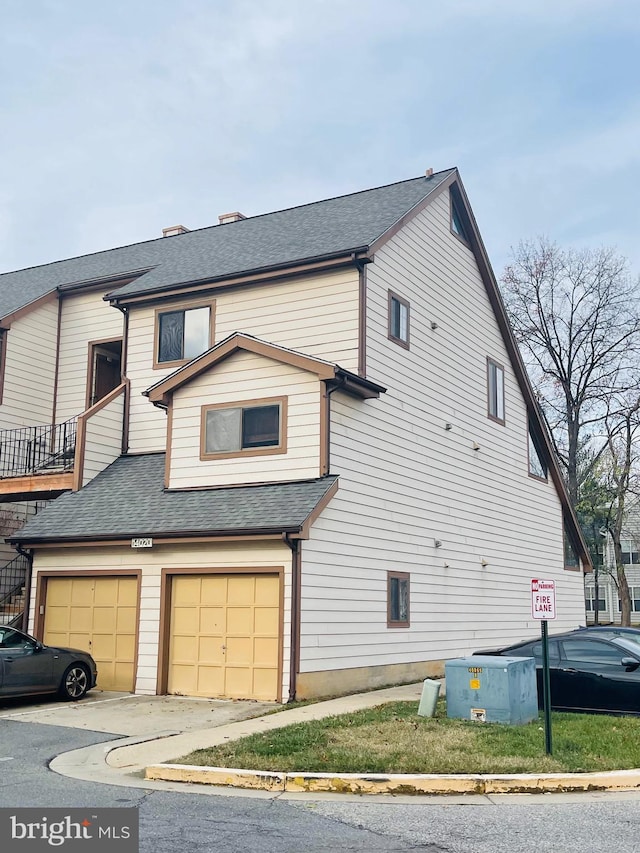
(30, 368)
(85, 317)
(317, 315)
(151, 562)
(103, 438)
(406, 481)
(242, 377)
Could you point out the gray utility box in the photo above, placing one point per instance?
(492, 689)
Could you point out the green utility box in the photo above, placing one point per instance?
(492, 689)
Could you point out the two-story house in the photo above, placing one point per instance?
(288, 455)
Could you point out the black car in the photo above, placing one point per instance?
(588, 672)
(28, 667)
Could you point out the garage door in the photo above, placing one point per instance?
(224, 636)
(97, 615)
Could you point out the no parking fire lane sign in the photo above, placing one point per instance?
(543, 599)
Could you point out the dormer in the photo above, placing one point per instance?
(247, 411)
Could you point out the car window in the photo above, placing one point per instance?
(10, 639)
(534, 650)
(592, 651)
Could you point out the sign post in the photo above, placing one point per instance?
(543, 607)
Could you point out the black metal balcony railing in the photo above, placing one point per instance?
(13, 578)
(38, 449)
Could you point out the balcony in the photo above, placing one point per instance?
(42, 462)
(37, 462)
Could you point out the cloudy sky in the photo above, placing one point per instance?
(121, 118)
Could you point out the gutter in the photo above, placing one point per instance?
(296, 594)
(157, 537)
(350, 256)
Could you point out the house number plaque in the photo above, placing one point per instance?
(143, 542)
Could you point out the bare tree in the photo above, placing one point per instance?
(620, 461)
(576, 316)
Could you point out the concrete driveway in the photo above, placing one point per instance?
(129, 715)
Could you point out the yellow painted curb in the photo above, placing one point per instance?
(397, 783)
(217, 776)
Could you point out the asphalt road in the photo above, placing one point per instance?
(187, 822)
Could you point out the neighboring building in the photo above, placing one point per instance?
(289, 455)
(608, 608)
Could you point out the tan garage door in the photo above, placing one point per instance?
(97, 615)
(224, 636)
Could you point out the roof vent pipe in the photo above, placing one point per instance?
(236, 216)
(174, 230)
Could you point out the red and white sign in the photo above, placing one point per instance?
(543, 599)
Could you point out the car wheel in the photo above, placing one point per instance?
(75, 682)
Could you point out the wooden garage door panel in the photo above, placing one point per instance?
(224, 636)
(97, 615)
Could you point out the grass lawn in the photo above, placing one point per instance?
(392, 738)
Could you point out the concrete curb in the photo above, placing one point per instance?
(397, 783)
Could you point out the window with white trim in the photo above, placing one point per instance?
(590, 600)
(634, 593)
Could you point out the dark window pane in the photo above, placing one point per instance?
(399, 320)
(10, 639)
(398, 599)
(171, 333)
(535, 650)
(592, 651)
(456, 220)
(536, 465)
(570, 556)
(261, 426)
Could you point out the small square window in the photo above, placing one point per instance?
(398, 320)
(495, 390)
(244, 430)
(182, 334)
(397, 600)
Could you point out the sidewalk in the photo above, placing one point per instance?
(152, 757)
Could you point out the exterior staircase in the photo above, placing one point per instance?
(13, 581)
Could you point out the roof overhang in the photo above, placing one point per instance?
(160, 394)
(259, 275)
(572, 524)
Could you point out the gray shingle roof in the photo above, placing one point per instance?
(323, 228)
(127, 499)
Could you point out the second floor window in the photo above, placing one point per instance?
(398, 320)
(495, 390)
(183, 334)
(256, 427)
